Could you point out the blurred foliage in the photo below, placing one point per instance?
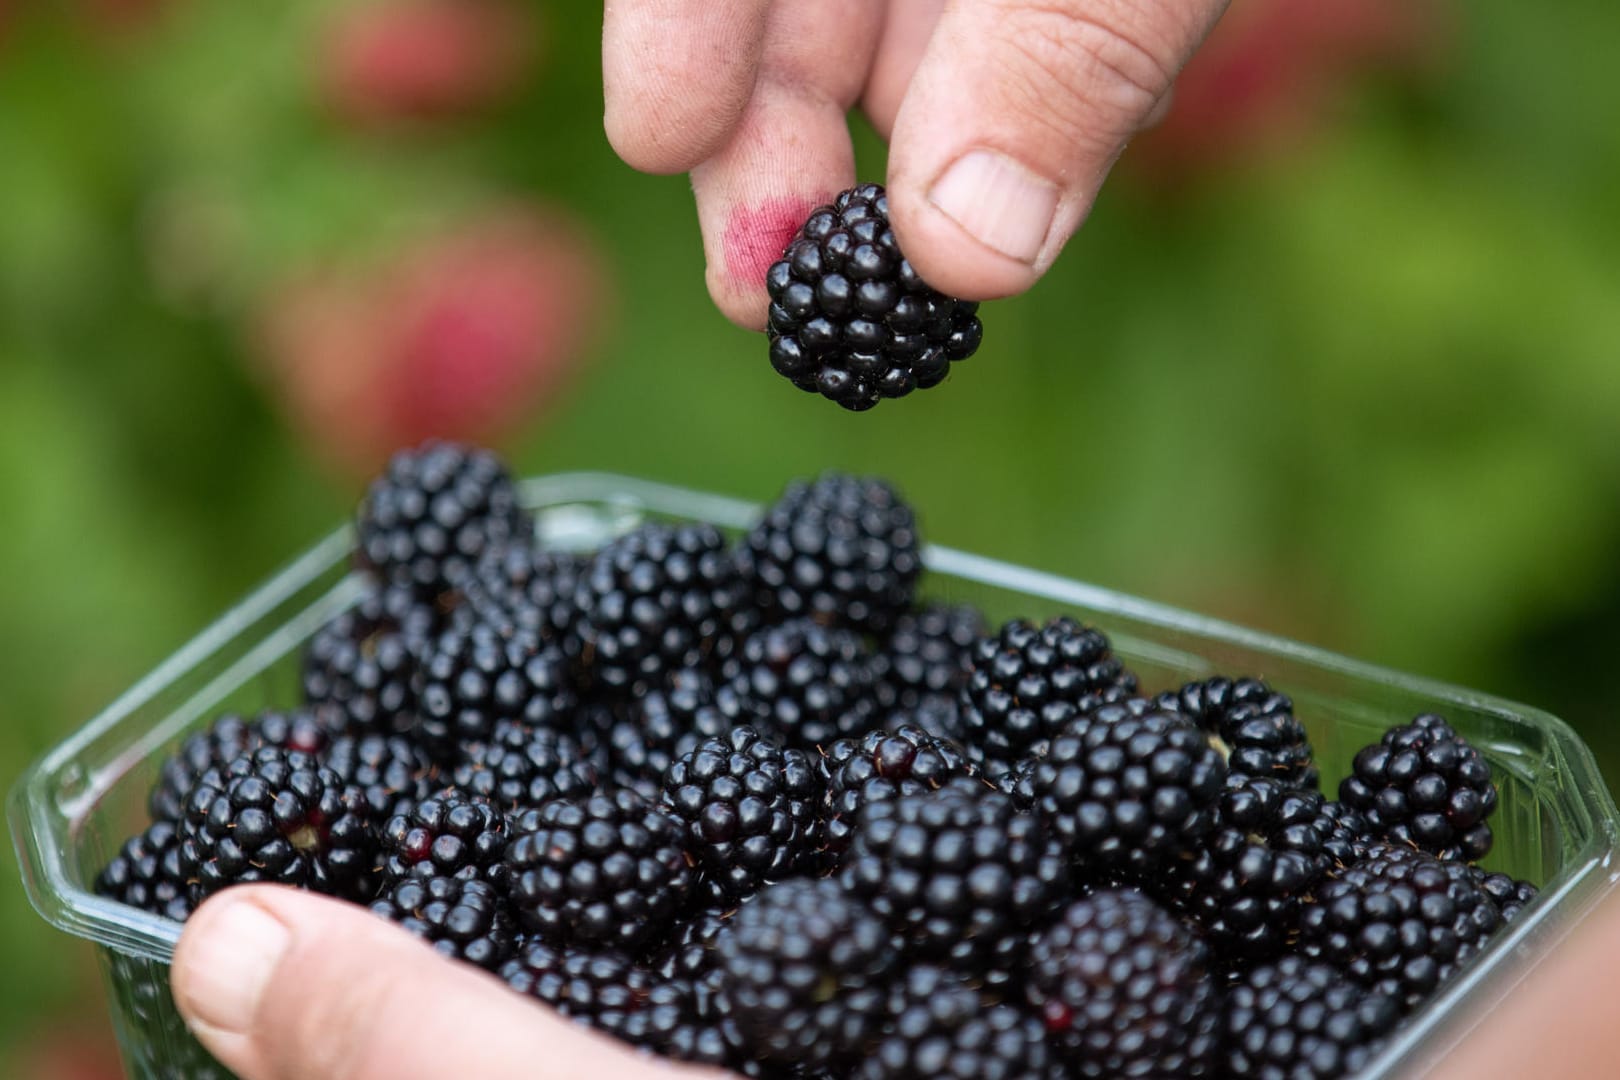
(1360, 386)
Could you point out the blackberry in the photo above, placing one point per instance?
(658, 599)
(1027, 681)
(841, 549)
(926, 660)
(146, 873)
(958, 873)
(1399, 921)
(364, 660)
(936, 1024)
(392, 772)
(1350, 834)
(599, 988)
(304, 730)
(518, 767)
(433, 512)
(462, 919)
(1256, 727)
(1510, 894)
(646, 734)
(1423, 784)
(521, 588)
(1125, 989)
(849, 317)
(610, 869)
(803, 969)
(449, 834)
(810, 684)
(884, 764)
(752, 812)
(475, 676)
(1126, 793)
(1298, 1019)
(278, 816)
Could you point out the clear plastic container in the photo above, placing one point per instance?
(1556, 825)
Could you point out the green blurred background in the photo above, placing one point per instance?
(1338, 355)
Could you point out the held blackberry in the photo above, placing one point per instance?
(849, 317)
(464, 919)
(1423, 784)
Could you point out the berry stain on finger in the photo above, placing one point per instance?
(756, 236)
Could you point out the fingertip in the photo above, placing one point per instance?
(663, 141)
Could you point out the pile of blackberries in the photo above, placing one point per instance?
(751, 802)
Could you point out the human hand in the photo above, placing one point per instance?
(280, 984)
(1003, 117)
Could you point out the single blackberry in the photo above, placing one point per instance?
(1255, 726)
(1298, 1019)
(752, 812)
(849, 317)
(599, 988)
(363, 662)
(522, 589)
(1350, 835)
(937, 1024)
(450, 834)
(810, 684)
(927, 657)
(1027, 681)
(392, 772)
(475, 676)
(432, 514)
(658, 599)
(1399, 921)
(518, 767)
(1510, 894)
(462, 919)
(648, 733)
(804, 966)
(146, 873)
(1423, 784)
(307, 731)
(1126, 793)
(1125, 989)
(611, 869)
(884, 764)
(278, 816)
(841, 549)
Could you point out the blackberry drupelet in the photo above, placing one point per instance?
(1127, 793)
(521, 588)
(1256, 727)
(849, 317)
(461, 918)
(752, 812)
(1399, 921)
(884, 764)
(363, 662)
(272, 815)
(599, 988)
(611, 869)
(938, 1025)
(1423, 784)
(519, 766)
(803, 971)
(803, 682)
(658, 599)
(1298, 1019)
(146, 873)
(841, 549)
(305, 730)
(392, 772)
(1125, 989)
(927, 657)
(1510, 894)
(1027, 681)
(475, 677)
(450, 834)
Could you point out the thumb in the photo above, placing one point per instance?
(284, 984)
(1016, 113)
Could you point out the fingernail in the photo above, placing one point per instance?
(1002, 204)
(229, 964)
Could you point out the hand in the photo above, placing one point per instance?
(280, 984)
(1003, 116)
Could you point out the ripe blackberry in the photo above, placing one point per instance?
(599, 988)
(752, 812)
(146, 873)
(884, 764)
(305, 730)
(646, 734)
(807, 683)
(521, 588)
(1255, 725)
(278, 816)
(462, 919)
(841, 549)
(958, 873)
(1399, 921)
(803, 969)
(1126, 793)
(363, 661)
(475, 676)
(926, 660)
(1423, 784)
(1027, 681)
(610, 869)
(1510, 894)
(518, 767)
(658, 599)
(450, 834)
(433, 512)
(849, 317)
(1298, 1019)
(937, 1024)
(1125, 989)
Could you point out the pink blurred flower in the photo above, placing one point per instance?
(464, 335)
